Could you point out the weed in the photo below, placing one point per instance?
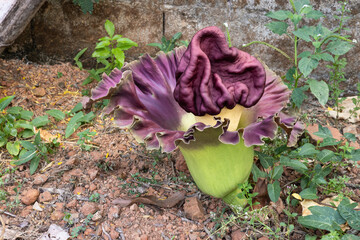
(169, 45)
(67, 219)
(85, 137)
(95, 197)
(59, 74)
(80, 229)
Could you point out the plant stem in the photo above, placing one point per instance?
(271, 46)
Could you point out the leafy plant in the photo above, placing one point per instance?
(78, 119)
(95, 197)
(84, 138)
(86, 5)
(80, 229)
(109, 52)
(326, 45)
(356, 101)
(168, 45)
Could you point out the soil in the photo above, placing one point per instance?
(75, 183)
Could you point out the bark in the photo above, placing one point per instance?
(14, 17)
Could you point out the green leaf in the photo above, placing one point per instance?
(73, 124)
(14, 110)
(40, 121)
(279, 15)
(326, 57)
(28, 145)
(295, 164)
(101, 53)
(102, 44)
(176, 36)
(338, 47)
(304, 33)
(320, 90)
(298, 95)
(110, 28)
(265, 160)
(325, 156)
(25, 156)
(346, 210)
(27, 133)
(87, 118)
(125, 43)
(13, 148)
(309, 193)
(307, 65)
(278, 171)
(158, 45)
(277, 27)
(355, 155)
(37, 140)
(26, 115)
(323, 132)
(325, 218)
(34, 164)
(77, 108)
(76, 58)
(307, 150)
(350, 237)
(23, 124)
(5, 101)
(304, 54)
(350, 136)
(274, 191)
(308, 237)
(57, 114)
(299, 4)
(119, 55)
(257, 173)
(314, 14)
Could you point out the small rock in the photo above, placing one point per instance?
(238, 235)
(39, 92)
(88, 232)
(37, 207)
(114, 234)
(72, 204)
(92, 173)
(45, 197)
(144, 237)
(192, 236)
(134, 208)
(89, 208)
(194, 209)
(57, 215)
(59, 206)
(97, 216)
(30, 196)
(96, 155)
(113, 212)
(92, 187)
(26, 211)
(40, 179)
(352, 129)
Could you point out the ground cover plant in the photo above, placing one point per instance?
(293, 186)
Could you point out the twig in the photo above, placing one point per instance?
(3, 228)
(7, 213)
(212, 237)
(108, 235)
(151, 184)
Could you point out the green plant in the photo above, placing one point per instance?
(337, 184)
(356, 101)
(67, 218)
(17, 134)
(85, 138)
(86, 5)
(95, 197)
(80, 229)
(109, 52)
(78, 119)
(245, 193)
(169, 45)
(326, 44)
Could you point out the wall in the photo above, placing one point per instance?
(59, 30)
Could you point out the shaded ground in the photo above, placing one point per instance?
(76, 183)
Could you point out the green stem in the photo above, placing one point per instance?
(228, 36)
(271, 46)
(335, 36)
(296, 62)
(293, 5)
(233, 200)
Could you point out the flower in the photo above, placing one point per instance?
(213, 102)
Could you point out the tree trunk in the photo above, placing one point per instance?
(14, 16)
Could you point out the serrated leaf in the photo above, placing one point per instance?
(279, 15)
(307, 150)
(5, 101)
(320, 90)
(298, 96)
(308, 193)
(110, 28)
(295, 164)
(307, 65)
(57, 114)
(304, 33)
(274, 191)
(34, 164)
(338, 47)
(102, 44)
(277, 27)
(323, 132)
(125, 43)
(304, 54)
(13, 148)
(40, 121)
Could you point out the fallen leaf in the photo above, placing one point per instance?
(152, 200)
(305, 206)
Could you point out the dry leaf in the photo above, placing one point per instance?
(305, 206)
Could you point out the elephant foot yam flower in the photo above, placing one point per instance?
(213, 102)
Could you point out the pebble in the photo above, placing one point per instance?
(30, 196)
(92, 187)
(113, 213)
(97, 216)
(45, 197)
(89, 208)
(37, 207)
(72, 204)
(40, 179)
(92, 174)
(57, 215)
(134, 208)
(26, 211)
(194, 209)
(39, 92)
(114, 234)
(88, 232)
(79, 190)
